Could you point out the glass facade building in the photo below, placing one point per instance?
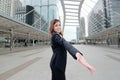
(96, 19)
(82, 28)
(78, 33)
(8, 7)
(105, 14)
(45, 11)
(115, 12)
(104, 22)
(36, 13)
(48, 9)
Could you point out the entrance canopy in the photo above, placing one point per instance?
(19, 30)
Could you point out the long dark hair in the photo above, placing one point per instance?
(52, 26)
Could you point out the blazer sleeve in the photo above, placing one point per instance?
(61, 41)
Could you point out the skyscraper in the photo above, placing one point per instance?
(8, 7)
(105, 14)
(78, 33)
(97, 21)
(82, 28)
(48, 9)
(115, 12)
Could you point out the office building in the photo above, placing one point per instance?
(25, 14)
(96, 19)
(8, 7)
(82, 28)
(48, 9)
(105, 14)
(78, 33)
(30, 16)
(115, 11)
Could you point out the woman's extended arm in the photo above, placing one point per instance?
(73, 51)
(82, 60)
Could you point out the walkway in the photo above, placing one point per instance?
(34, 64)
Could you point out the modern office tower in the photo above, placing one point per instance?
(29, 15)
(8, 7)
(25, 14)
(112, 12)
(115, 11)
(78, 33)
(105, 14)
(48, 9)
(82, 28)
(96, 19)
(20, 14)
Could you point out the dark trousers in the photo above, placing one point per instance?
(57, 74)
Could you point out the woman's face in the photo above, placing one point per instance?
(57, 27)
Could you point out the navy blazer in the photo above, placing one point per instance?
(60, 47)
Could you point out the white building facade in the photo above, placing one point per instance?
(8, 7)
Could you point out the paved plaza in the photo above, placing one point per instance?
(33, 64)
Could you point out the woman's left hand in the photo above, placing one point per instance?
(91, 69)
(82, 60)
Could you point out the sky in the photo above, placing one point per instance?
(70, 32)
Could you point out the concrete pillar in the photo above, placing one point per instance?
(118, 37)
(28, 39)
(108, 39)
(33, 43)
(11, 39)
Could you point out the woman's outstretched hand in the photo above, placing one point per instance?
(82, 60)
(91, 69)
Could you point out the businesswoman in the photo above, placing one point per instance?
(60, 47)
